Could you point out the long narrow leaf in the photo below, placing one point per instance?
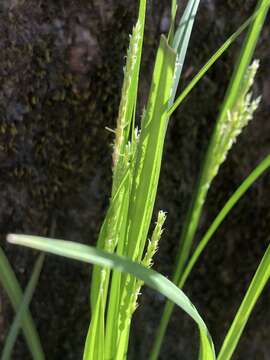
(181, 41)
(14, 330)
(256, 287)
(150, 277)
(245, 57)
(15, 294)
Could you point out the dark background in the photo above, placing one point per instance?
(61, 72)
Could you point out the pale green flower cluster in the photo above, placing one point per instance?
(147, 262)
(232, 125)
(122, 122)
(153, 243)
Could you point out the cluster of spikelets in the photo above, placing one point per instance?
(122, 128)
(232, 125)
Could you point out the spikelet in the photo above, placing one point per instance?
(233, 124)
(122, 121)
(148, 258)
(133, 289)
(153, 243)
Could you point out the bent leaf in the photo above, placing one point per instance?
(150, 277)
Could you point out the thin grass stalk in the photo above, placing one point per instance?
(257, 285)
(172, 26)
(180, 42)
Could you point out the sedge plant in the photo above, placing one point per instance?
(124, 254)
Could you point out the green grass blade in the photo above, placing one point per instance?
(15, 294)
(173, 8)
(172, 26)
(94, 344)
(215, 57)
(236, 196)
(181, 41)
(256, 287)
(150, 277)
(17, 323)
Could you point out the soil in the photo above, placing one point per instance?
(61, 72)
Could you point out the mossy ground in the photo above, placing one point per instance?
(61, 72)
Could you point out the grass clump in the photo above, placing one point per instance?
(124, 254)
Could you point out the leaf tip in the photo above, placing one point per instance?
(11, 238)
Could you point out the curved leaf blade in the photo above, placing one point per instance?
(150, 277)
